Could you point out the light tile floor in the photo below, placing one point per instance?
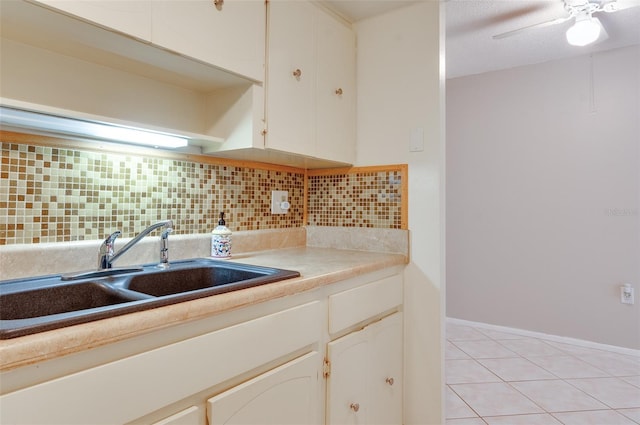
(499, 378)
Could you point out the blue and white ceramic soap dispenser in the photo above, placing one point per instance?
(221, 240)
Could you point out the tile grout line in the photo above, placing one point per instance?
(562, 353)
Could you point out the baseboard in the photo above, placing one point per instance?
(549, 337)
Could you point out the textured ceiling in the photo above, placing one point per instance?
(470, 25)
(470, 48)
(356, 10)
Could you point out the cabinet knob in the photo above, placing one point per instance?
(339, 91)
(389, 381)
(297, 73)
(354, 406)
(218, 4)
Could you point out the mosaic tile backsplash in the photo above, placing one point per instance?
(356, 199)
(50, 194)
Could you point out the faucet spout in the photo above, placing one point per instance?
(107, 257)
(164, 247)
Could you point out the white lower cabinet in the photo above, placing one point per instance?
(190, 416)
(288, 394)
(133, 387)
(365, 379)
(264, 365)
(346, 386)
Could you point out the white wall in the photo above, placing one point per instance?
(543, 190)
(399, 89)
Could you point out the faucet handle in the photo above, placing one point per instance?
(112, 237)
(106, 250)
(165, 232)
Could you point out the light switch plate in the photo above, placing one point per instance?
(416, 143)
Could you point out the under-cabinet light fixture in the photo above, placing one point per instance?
(90, 129)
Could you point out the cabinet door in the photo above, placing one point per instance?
(365, 383)
(386, 370)
(289, 112)
(288, 394)
(190, 416)
(347, 398)
(231, 37)
(336, 91)
(130, 17)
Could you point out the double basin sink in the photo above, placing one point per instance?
(39, 304)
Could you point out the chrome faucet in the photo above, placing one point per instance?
(107, 255)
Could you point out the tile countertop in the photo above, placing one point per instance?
(317, 267)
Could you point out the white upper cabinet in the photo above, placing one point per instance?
(243, 79)
(310, 87)
(230, 35)
(291, 77)
(336, 91)
(129, 17)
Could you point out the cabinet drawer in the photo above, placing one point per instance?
(141, 384)
(358, 304)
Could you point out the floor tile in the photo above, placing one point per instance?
(577, 350)
(568, 367)
(614, 364)
(495, 399)
(484, 349)
(456, 408)
(633, 380)
(557, 396)
(463, 333)
(537, 419)
(500, 378)
(614, 392)
(633, 414)
(497, 335)
(531, 347)
(594, 417)
(453, 352)
(467, 372)
(466, 421)
(515, 369)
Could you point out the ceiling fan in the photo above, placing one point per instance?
(586, 28)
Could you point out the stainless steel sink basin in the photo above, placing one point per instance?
(34, 305)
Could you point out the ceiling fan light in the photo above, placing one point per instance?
(585, 31)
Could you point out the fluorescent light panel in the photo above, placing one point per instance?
(92, 129)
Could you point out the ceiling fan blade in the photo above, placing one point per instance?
(527, 28)
(616, 5)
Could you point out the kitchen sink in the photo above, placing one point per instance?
(58, 299)
(186, 280)
(44, 303)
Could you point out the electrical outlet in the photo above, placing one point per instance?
(279, 202)
(388, 197)
(626, 294)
